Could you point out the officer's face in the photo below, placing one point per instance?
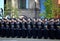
(9, 20)
(12, 20)
(24, 20)
(18, 19)
(15, 21)
(5, 20)
(45, 19)
(33, 19)
(0, 20)
(52, 20)
(57, 19)
(39, 20)
(29, 20)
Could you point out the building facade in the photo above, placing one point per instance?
(25, 7)
(28, 7)
(1, 8)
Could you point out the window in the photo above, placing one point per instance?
(4, 1)
(22, 4)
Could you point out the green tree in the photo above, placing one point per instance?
(49, 7)
(42, 14)
(9, 10)
(14, 12)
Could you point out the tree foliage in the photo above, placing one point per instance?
(10, 11)
(7, 10)
(49, 8)
(14, 12)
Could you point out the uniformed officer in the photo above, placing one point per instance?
(0, 27)
(24, 28)
(39, 28)
(3, 28)
(7, 28)
(45, 30)
(51, 29)
(19, 28)
(29, 29)
(57, 34)
(15, 27)
(12, 28)
(34, 29)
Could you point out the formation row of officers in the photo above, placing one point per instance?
(30, 28)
